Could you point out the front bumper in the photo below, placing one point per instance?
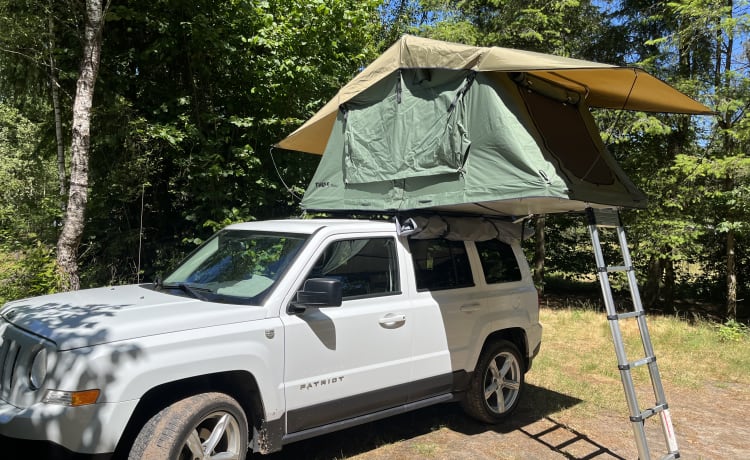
(64, 432)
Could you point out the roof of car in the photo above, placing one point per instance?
(312, 225)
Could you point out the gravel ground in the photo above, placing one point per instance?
(710, 423)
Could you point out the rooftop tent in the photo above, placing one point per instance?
(456, 140)
(464, 129)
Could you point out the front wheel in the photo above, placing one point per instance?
(496, 385)
(204, 426)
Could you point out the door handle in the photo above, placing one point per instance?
(470, 307)
(392, 321)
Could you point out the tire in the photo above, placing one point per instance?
(203, 426)
(496, 384)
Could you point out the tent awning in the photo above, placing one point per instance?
(602, 85)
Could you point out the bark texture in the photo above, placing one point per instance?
(731, 275)
(70, 237)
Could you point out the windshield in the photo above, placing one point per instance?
(235, 266)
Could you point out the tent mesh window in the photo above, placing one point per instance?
(566, 137)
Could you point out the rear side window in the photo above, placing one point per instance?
(441, 264)
(498, 262)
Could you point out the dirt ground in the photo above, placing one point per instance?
(711, 423)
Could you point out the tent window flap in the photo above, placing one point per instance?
(419, 131)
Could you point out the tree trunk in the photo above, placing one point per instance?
(670, 278)
(653, 281)
(70, 237)
(539, 253)
(729, 145)
(731, 276)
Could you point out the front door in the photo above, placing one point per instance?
(347, 361)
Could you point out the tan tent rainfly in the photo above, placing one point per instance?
(603, 85)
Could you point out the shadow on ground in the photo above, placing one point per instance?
(532, 418)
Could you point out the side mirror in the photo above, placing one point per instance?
(319, 293)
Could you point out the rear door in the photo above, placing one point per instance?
(477, 287)
(445, 279)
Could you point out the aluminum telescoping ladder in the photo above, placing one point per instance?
(610, 218)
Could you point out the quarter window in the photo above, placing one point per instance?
(498, 262)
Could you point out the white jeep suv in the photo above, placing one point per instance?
(269, 333)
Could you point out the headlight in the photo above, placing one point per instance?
(38, 369)
(71, 398)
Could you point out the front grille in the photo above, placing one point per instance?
(8, 364)
(17, 349)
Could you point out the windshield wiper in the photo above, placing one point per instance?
(194, 291)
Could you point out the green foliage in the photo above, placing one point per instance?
(196, 145)
(562, 26)
(732, 331)
(191, 98)
(456, 30)
(717, 188)
(193, 95)
(569, 251)
(693, 170)
(28, 197)
(565, 284)
(26, 271)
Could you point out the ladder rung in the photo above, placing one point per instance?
(603, 217)
(640, 362)
(644, 361)
(650, 412)
(629, 314)
(616, 268)
(610, 218)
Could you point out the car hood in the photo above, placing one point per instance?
(110, 314)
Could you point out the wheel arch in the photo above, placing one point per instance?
(240, 385)
(514, 335)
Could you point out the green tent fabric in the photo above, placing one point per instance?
(413, 131)
(601, 85)
(457, 140)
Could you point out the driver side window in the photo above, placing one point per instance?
(366, 267)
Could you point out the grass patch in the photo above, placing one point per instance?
(577, 357)
(426, 450)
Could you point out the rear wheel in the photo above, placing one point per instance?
(204, 426)
(497, 383)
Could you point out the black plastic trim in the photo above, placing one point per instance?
(367, 403)
(340, 425)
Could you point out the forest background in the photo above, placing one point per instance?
(132, 130)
